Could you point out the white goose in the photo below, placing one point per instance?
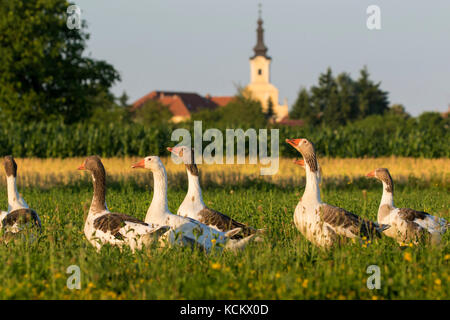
(407, 225)
(19, 215)
(322, 224)
(117, 229)
(193, 205)
(192, 230)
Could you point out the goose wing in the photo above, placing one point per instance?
(21, 216)
(224, 223)
(347, 223)
(113, 222)
(422, 219)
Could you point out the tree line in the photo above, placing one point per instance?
(49, 84)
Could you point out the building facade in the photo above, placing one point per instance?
(260, 87)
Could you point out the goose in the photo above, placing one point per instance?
(19, 214)
(118, 229)
(191, 229)
(193, 205)
(407, 225)
(322, 224)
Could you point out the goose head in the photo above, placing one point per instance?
(10, 166)
(152, 163)
(184, 153)
(93, 164)
(306, 148)
(384, 176)
(187, 156)
(300, 162)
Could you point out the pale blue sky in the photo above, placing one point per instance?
(204, 45)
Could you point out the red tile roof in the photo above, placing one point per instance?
(222, 101)
(291, 122)
(182, 104)
(176, 106)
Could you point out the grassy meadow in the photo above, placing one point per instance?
(284, 266)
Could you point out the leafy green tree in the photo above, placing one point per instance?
(152, 113)
(398, 110)
(43, 72)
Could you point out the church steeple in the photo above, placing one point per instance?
(260, 49)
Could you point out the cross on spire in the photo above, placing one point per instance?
(260, 48)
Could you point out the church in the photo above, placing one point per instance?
(182, 104)
(260, 87)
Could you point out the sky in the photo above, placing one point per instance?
(204, 46)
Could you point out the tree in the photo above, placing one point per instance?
(302, 108)
(270, 112)
(398, 110)
(371, 99)
(152, 113)
(348, 103)
(338, 100)
(43, 73)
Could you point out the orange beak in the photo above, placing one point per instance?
(293, 142)
(174, 150)
(82, 167)
(140, 164)
(300, 162)
(371, 174)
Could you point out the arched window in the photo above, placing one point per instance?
(260, 71)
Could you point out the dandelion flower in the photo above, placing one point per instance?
(305, 283)
(407, 256)
(215, 266)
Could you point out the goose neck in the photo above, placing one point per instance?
(388, 195)
(312, 189)
(98, 203)
(15, 201)
(194, 189)
(159, 201)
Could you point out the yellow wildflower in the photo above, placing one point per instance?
(305, 283)
(216, 266)
(407, 256)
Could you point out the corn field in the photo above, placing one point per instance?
(50, 140)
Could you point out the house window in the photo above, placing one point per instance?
(259, 71)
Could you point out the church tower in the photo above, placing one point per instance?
(260, 87)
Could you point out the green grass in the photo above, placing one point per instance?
(285, 266)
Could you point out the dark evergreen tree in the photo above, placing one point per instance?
(371, 99)
(270, 112)
(302, 107)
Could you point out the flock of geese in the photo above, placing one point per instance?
(195, 224)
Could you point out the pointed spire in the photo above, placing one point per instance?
(260, 49)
